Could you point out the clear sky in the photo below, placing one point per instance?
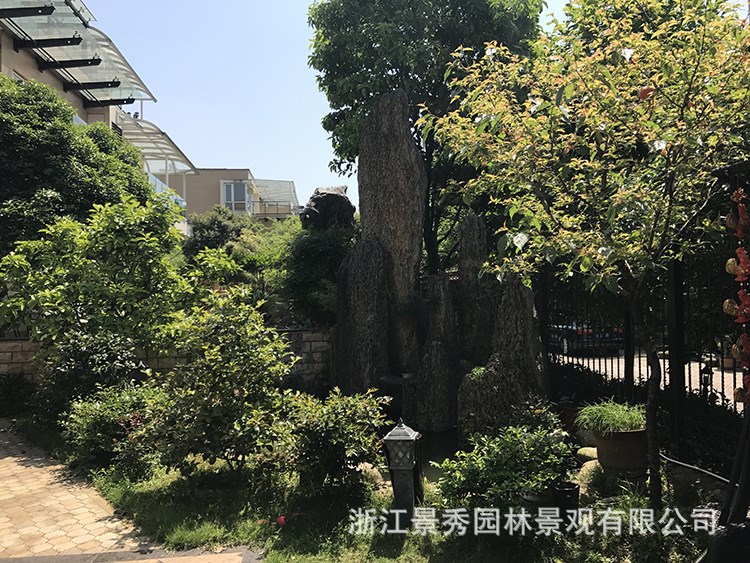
(232, 81)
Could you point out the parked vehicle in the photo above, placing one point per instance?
(574, 338)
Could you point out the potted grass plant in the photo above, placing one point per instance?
(619, 434)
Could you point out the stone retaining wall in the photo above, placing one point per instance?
(15, 357)
(311, 373)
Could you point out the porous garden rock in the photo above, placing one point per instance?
(485, 403)
(433, 392)
(360, 346)
(328, 208)
(517, 337)
(515, 373)
(392, 183)
(586, 454)
(476, 306)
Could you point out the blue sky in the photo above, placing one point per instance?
(232, 81)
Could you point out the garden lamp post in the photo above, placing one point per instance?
(401, 446)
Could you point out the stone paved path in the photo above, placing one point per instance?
(43, 511)
(48, 516)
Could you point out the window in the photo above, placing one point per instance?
(235, 196)
(17, 77)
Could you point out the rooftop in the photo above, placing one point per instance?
(60, 36)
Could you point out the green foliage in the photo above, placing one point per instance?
(536, 415)
(109, 429)
(600, 148)
(331, 438)
(362, 50)
(500, 470)
(78, 363)
(93, 294)
(312, 265)
(214, 229)
(263, 246)
(608, 416)
(222, 395)
(110, 275)
(476, 373)
(51, 168)
(213, 265)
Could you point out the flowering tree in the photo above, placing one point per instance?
(599, 148)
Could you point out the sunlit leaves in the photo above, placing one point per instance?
(600, 147)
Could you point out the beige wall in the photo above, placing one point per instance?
(203, 191)
(24, 64)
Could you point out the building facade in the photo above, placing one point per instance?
(237, 190)
(55, 42)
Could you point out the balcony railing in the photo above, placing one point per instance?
(272, 209)
(161, 187)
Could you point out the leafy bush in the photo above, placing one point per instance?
(109, 429)
(500, 470)
(112, 274)
(221, 398)
(331, 438)
(214, 229)
(608, 416)
(74, 366)
(51, 168)
(312, 264)
(535, 415)
(15, 390)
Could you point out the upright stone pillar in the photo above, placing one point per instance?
(516, 371)
(436, 385)
(476, 306)
(392, 189)
(360, 345)
(517, 338)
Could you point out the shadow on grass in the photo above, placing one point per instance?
(231, 508)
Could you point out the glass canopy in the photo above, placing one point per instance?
(71, 19)
(160, 154)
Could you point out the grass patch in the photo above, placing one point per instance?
(608, 417)
(216, 507)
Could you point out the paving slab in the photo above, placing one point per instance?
(49, 515)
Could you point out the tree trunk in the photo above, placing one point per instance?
(652, 428)
(645, 339)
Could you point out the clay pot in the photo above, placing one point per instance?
(625, 452)
(568, 412)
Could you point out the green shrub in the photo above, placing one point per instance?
(500, 470)
(15, 391)
(214, 230)
(312, 265)
(536, 415)
(74, 366)
(331, 438)
(51, 168)
(109, 429)
(222, 397)
(609, 416)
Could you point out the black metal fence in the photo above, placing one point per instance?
(694, 337)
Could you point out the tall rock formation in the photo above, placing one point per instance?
(360, 346)
(476, 304)
(516, 371)
(392, 188)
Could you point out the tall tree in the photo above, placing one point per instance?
(602, 145)
(364, 49)
(51, 168)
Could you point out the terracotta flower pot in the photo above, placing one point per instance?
(625, 452)
(568, 412)
(567, 496)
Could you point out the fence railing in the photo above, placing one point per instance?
(693, 335)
